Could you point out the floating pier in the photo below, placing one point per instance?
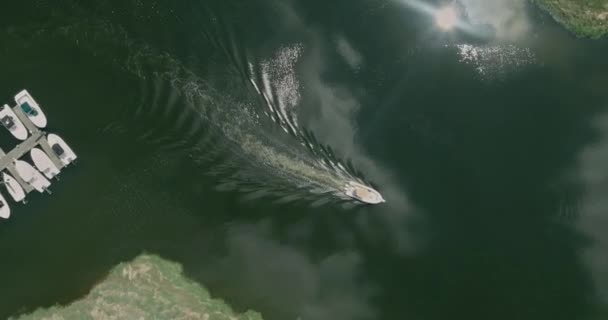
(58, 154)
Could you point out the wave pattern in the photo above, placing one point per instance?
(225, 132)
(276, 82)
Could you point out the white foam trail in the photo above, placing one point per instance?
(265, 159)
(279, 78)
(267, 87)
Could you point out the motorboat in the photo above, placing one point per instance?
(5, 210)
(13, 187)
(43, 163)
(363, 193)
(61, 149)
(31, 176)
(9, 120)
(30, 107)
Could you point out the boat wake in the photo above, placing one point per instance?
(239, 125)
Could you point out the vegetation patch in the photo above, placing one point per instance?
(586, 18)
(146, 288)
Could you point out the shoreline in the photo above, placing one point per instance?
(147, 287)
(584, 21)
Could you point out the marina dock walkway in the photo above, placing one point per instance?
(36, 138)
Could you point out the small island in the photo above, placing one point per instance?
(146, 288)
(586, 18)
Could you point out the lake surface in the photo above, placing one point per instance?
(490, 149)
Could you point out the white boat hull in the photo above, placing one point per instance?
(13, 187)
(68, 155)
(31, 176)
(19, 130)
(43, 163)
(5, 210)
(39, 120)
(363, 193)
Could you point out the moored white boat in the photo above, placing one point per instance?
(5, 210)
(31, 176)
(43, 163)
(31, 108)
(363, 193)
(61, 149)
(9, 120)
(13, 187)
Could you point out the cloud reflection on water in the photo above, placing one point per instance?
(593, 221)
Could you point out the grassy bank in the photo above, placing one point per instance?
(586, 18)
(146, 288)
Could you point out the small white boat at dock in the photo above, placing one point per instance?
(43, 163)
(5, 210)
(31, 108)
(61, 149)
(31, 176)
(11, 122)
(13, 187)
(48, 153)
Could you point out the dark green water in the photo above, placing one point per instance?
(494, 167)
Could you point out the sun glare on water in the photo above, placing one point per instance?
(446, 18)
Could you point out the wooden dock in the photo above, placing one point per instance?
(36, 138)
